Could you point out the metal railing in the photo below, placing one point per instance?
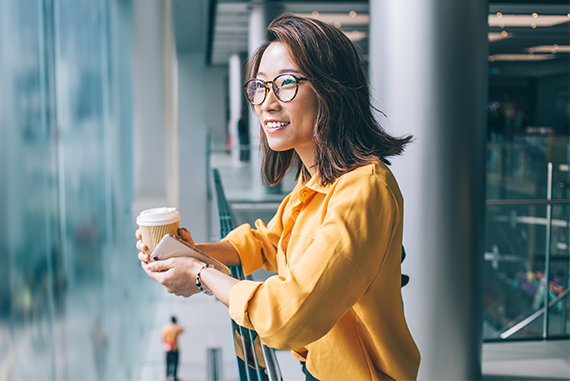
(548, 202)
(256, 362)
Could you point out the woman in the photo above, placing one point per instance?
(336, 239)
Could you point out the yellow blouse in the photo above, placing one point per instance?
(336, 301)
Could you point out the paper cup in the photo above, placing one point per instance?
(156, 223)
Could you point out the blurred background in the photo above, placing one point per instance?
(109, 107)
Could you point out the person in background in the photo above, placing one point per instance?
(336, 239)
(170, 333)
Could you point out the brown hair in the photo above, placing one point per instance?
(346, 135)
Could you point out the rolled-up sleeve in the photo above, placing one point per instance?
(343, 256)
(257, 248)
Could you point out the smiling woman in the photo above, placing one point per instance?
(337, 256)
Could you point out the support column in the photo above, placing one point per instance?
(150, 142)
(235, 95)
(428, 69)
(261, 15)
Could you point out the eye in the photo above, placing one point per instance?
(288, 82)
(257, 85)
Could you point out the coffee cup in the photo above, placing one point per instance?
(156, 223)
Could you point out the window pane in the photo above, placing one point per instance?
(528, 132)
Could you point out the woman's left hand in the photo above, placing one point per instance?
(177, 274)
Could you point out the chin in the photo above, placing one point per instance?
(278, 147)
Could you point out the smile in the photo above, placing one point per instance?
(276, 125)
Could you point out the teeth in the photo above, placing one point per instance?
(276, 124)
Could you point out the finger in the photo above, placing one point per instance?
(160, 266)
(143, 257)
(185, 235)
(141, 246)
(138, 233)
(154, 275)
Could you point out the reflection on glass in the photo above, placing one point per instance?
(514, 271)
(67, 285)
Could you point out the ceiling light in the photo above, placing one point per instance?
(526, 20)
(315, 14)
(337, 24)
(550, 48)
(356, 35)
(496, 36)
(352, 14)
(522, 57)
(344, 18)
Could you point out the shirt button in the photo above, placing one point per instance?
(304, 194)
(296, 214)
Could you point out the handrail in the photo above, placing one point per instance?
(256, 361)
(554, 201)
(517, 327)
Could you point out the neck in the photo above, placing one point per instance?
(308, 159)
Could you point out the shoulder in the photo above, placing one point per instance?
(372, 177)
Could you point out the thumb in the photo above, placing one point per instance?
(186, 236)
(159, 266)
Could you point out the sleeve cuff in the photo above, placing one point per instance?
(240, 295)
(244, 242)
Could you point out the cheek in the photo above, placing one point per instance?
(257, 111)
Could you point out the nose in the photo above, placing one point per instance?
(271, 102)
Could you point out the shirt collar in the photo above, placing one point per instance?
(315, 185)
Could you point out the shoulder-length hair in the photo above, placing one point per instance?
(346, 134)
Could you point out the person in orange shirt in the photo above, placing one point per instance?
(336, 239)
(170, 333)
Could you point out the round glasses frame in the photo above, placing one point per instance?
(275, 88)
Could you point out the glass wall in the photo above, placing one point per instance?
(528, 178)
(70, 282)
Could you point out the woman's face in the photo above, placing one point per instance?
(287, 125)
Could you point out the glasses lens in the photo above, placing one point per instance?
(255, 91)
(286, 87)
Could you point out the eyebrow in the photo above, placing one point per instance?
(285, 71)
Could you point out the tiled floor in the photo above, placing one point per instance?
(527, 361)
(207, 322)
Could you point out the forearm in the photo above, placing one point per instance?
(219, 283)
(222, 251)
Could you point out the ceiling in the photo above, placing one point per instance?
(231, 22)
(219, 28)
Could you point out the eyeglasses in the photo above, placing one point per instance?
(285, 88)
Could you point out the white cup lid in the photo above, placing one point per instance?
(158, 216)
